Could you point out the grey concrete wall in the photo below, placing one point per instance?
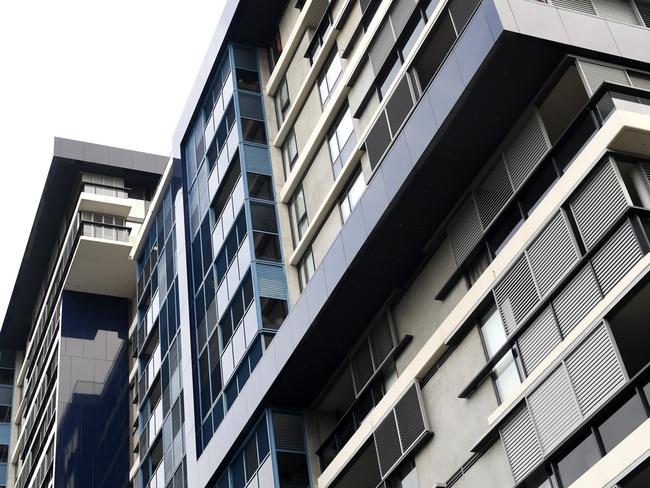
(328, 232)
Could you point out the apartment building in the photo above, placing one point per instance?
(65, 348)
(398, 243)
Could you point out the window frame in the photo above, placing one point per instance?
(324, 79)
(299, 222)
(347, 192)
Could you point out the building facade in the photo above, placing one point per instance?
(398, 243)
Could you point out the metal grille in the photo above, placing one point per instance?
(618, 10)
(644, 10)
(271, 281)
(554, 409)
(583, 6)
(516, 294)
(619, 254)
(524, 152)
(577, 298)
(597, 74)
(493, 193)
(552, 253)
(464, 230)
(595, 370)
(539, 339)
(521, 444)
(381, 340)
(387, 444)
(287, 430)
(640, 80)
(410, 420)
(362, 368)
(597, 205)
(381, 47)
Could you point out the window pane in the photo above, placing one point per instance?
(494, 334)
(345, 128)
(622, 422)
(506, 376)
(579, 460)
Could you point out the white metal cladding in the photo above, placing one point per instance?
(552, 253)
(493, 193)
(411, 423)
(595, 370)
(521, 443)
(596, 74)
(526, 149)
(539, 339)
(617, 256)
(618, 10)
(464, 230)
(598, 203)
(387, 444)
(516, 294)
(577, 298)
(583, 6)
(554, 409)
(381, 47)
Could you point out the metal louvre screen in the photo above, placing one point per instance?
(526, 150)
(271, 281)
(552, 253)
(595, 370)
(381, 340)
(596, 74)
(362, 368)
(583, 6)
(644, 10)
(387, 444)
(516, 294)
(539, 339)
(577, 298)
(640, 80)
(554, 409)
(619, 254)
(584, 379)
(521, 443)
(618, 10)
(464, 230)
(597, 205)
(287, 429)
(493, 193)
(410, 421)
(402, 428)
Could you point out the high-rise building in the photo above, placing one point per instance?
(398, 243)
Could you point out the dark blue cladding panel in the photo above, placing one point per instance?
(93, 409)
(446, 88)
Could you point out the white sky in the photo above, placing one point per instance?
(112, 72)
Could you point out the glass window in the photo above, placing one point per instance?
(622, 422)
(579, 460)
(282, 101)
(493, 332)
(253, 131)
(306, 269)
(504, 229)
(389, 76)
(248, 80)
(646, 390)
(298, 216)
(275, 50)
(289, 152)
(352, 195)
(506, 376)
(329, 77)
(340, 141)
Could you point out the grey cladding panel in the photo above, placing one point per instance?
(410, 418)
(619, 254)
(577, 298)
(596, 74)
(493, 193)
(525, 150)
(552, 253)
(554, 409)
(618, 10)
(464, 230)
(539, 340)
(595, 370)
(521, 443)
(597, 204)
(387, 444)
(516, 294)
